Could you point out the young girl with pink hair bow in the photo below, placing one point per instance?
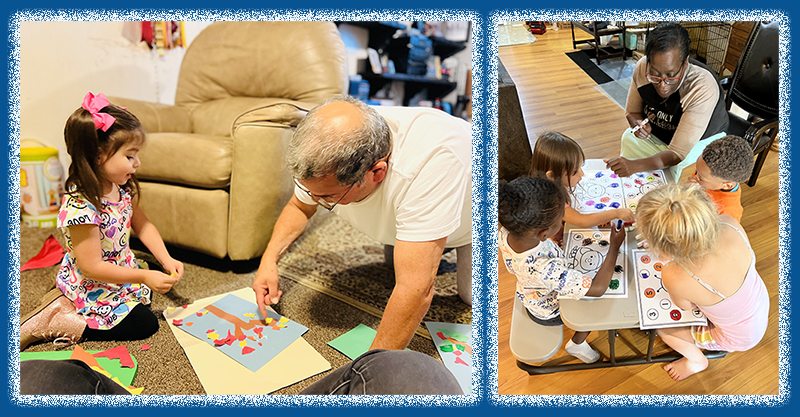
(102, 289)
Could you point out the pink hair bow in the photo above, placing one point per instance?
(93, 104)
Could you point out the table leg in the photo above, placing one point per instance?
(612, 339)
(653, 333)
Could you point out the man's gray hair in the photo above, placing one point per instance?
(317, 151)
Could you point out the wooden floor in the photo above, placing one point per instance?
(557, 95)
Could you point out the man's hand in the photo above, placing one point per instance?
(266, 285)
(623, 167)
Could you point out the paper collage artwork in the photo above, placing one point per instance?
(238, 329)
(656, 309)
(601, 190)
(454, 343)
(586, 249)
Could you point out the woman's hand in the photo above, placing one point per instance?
(623, 167)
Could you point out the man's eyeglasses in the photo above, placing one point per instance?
(667, 80)
(321, 201)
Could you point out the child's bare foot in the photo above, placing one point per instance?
(683, 368)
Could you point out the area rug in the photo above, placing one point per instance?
(337, 260)
(514, 33)
(613, 77)
(583, 60)
(164, 369)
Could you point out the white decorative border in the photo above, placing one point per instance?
(784, 210)
(479, 174)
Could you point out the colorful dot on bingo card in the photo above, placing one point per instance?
(605, 199)
(590, 203)
(599, 206)
(675, 315)
(651, 178)
(614, 205)
(649, 293)
(598, 175)
(614, 185)
(645, 259)
(613, 175)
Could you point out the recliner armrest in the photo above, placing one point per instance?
(281, 112)
(157, 117)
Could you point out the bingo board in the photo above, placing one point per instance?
(639, 184)
(656, 309)
(600, 190)
(585, 251)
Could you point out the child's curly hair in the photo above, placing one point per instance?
(729, 158)
(679, 221)
(526, 204)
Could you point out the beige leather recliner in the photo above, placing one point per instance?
(212, 173)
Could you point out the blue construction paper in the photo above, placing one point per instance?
(459, 332)
(273, 342)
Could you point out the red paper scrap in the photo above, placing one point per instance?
(119, 352)
(52, 253)
(461, 361)
(247, 349)
(457, 353)
(185, 305)
(226, 341)
(145, 346)
(177, 322)
(209, 330)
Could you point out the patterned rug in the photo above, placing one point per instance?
(334, 258)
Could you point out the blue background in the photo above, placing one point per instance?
(484, 224)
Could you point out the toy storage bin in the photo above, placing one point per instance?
(41, 185)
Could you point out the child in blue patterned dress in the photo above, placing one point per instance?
(530, 212)
(102, 290)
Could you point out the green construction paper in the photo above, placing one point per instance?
(455, 335)
(356, 342)
(113, 366)
(446, 348)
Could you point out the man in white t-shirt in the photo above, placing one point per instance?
(400, 175)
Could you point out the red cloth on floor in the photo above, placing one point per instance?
(51, 254)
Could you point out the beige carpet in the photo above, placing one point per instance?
(333, 278)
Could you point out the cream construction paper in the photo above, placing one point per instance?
(221, 375)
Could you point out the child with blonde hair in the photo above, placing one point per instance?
(710, 265)
(102, 289)
(530, 212)
(560, 159)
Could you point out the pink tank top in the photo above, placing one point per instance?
(738, 322)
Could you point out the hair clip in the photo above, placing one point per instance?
(93, 104)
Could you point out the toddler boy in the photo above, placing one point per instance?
(725, 163)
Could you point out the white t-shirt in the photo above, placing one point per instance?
(427, 192)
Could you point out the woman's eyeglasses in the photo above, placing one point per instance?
(667, 80)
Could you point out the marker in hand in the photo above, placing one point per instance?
(640, 125)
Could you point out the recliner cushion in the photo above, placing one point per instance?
(201, 161)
